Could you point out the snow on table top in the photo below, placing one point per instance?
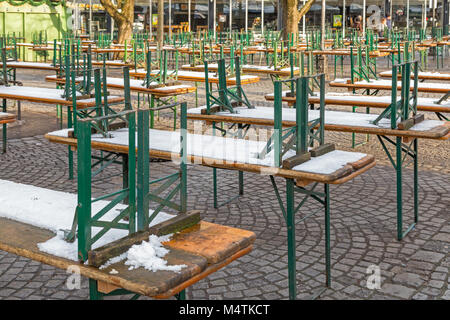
(228, 150)
(54, 211)
(331, 117)
(421, 73)
(32, 92)
(245, 66)
(134, 83)
(35, 92)
(199, 74)
(342, 96)
(388, 83)
(29, 64)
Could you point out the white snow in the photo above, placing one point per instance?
(329, 162)
(134, 84)
(224, 150)
(32, 92)
(54, 211)
(23, 64)
(4, 114)
(421, 74)
(383, 83)
(149, 255)
(358, 98)
(195, 75)
(331, 117)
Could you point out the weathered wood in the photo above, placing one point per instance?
(405, 124)
(22, 239)
(213, 109)
(211, 162)
(176, 224)
(291, 162)
(303, 182)
(99, 256)
(438, 132)
(323, 149)
(212, 241)
(362, 162)
(419, 118)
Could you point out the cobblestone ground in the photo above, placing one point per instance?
(363, 222)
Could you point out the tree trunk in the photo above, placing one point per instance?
(122, 12)
(292, 16)
(160, 28)
(125, 31)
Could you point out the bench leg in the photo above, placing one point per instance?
(69, 149)
(289, 213)
(4, 138)
(4, 127)
(181, 295)
(402, 152)
(290, 222)
(94, 294)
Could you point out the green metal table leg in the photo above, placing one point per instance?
(327, 235)
(69, 149)
(215, 188)
(181, 295)
(125, 175)
(152, 112)
(4, 136)
(93, 290)
(241, 182)
(416, 181)
(398, 169)
(291, 239)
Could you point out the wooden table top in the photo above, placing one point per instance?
(203, 248)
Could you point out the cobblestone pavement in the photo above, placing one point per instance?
(363, 220)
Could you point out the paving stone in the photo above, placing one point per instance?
(6, 292)
(415, 268)
(428, 256)
(397, 290)
(23, 293)
(409, 279)
(420, 296)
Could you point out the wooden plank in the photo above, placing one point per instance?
(419, 118)
(361, 103)
(212, 162)
(176, 224)
(323, 149)
(43, 100)
(99, 256)
(376, 86)
(296, 160)
(405, 124)
(22, 239)
(439, 132)
(211, 241)
(7, 118)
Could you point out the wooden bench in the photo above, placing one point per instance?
(215, 152)
(30, 65)
(204, 248)
(423, 104)
(138, 86)
(194, 76)
(5, 118)
(421, 75)
(254, 69)
(387, 85)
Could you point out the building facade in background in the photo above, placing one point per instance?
(56, 16)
